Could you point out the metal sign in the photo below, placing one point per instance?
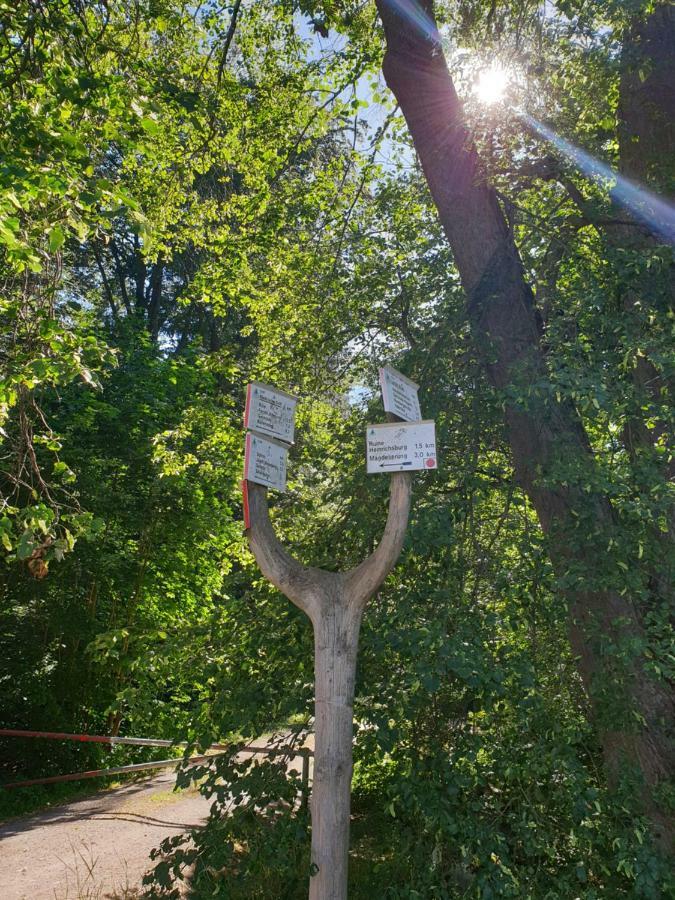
(265, 461)
(401, 447)
(399, 395)
(270, 411)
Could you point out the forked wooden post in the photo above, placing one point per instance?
(334, 603)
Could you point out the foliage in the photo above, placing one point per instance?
(254, 807)
(193, 197)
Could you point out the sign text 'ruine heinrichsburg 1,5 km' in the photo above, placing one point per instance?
(401, 447)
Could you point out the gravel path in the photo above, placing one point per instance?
(95, 848)
(98, 848)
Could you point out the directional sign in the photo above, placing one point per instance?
(270, 411)
(401, 447)
(399, 395)
(265, 461)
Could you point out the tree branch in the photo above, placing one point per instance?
(228, 41)
(307, 586)
(362, 581)
(301, 584)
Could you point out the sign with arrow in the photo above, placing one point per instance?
(401, 447)
(270, 411)
(265, 461)
(399, 395)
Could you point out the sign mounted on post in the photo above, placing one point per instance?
(270, 411)
(401, 447)
(265, 461)
(399, 395)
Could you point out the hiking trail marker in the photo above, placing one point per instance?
(399, 395)
(401, 447)
(265, 461)
(270, 411)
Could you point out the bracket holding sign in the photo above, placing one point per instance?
(401, 447)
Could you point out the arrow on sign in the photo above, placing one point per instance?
(408, 462)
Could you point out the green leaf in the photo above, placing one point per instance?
(56, 239)
(150, 125)
(26, 545)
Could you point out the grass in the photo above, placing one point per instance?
(83, 880)
(26, 801)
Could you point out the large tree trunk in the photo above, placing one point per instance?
(647, 99)
(542, 432)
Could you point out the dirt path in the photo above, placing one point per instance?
(98, 847)
(95, 848)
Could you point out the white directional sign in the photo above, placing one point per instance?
(401, 447)
(270, 411)
(265, 461)
(399, 395)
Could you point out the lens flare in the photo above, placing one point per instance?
(492, 84)
(412, 12)
(657, 214)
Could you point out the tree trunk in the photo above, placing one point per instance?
(647, 99)
(336, 635)
(334, 603)
(155, 298)
(542, 432)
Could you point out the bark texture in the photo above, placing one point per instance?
(506, 329)
(647, 154)
(334, 602)
(647, 99)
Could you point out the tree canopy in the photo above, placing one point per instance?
(194, 196)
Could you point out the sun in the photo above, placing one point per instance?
(491, 84)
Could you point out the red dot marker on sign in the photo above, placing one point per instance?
(430, 463)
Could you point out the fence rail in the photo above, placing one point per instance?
(100, 739)
(304, 752)
(100, 773)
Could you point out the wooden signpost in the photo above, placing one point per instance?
(334, 603)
